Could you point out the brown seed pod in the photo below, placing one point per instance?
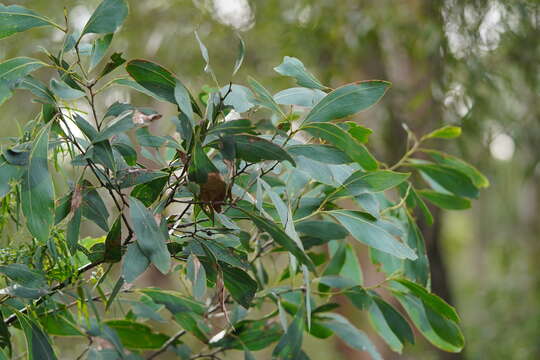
(214, 191)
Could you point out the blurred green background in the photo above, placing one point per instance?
(472, 63)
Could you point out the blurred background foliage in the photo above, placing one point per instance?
(473, 63)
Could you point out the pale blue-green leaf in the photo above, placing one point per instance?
(369, 232)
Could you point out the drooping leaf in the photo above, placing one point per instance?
(322, 229)
(352, 336)
(183, 99)
(371, 233)
(445, 201)
(290, 344)
(239, 284)
(240, 55)
(37, 192)
(113, 242)
(38, 344)
(280, 237)
(137, 336)
(448, 178)
(197, 275)
(343, 141)
(107, 17)
(15, 18)
(390, 324)
(135, 263)
(438, 330)
(293, 67)
(478, 179)
(347, 100)
(431, 300)
(149, 236)
(361, 182)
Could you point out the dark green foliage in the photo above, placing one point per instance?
(226, 199)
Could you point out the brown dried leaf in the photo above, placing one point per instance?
(142, 119)
(214, 191)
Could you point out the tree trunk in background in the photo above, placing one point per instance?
(412, 74)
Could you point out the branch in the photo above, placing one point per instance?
(167, 343)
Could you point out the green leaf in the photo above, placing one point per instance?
(343, 141)
(117, 126)
(431, 300)
(94, 208)
(231, 127)
(64, 91)
(299, 96)
(448, 178)
(148, 192)
(22, 274)
(445, 201)
(157, 80)
(263, 97)
(38, 344)
(8, 173)
(37, 193)
(150, 238)
(60, 324)
(361, 182)
(113, 242)
(352, 336)
(322, 229)
(416, 270)
(240, 55)
(290, 344)
(197, 275)
(440, 331)
(115, 61)
(72, 231)
(37, 88)
(135, 263)
(446, 132)
(237, 96)
(15, 18)
(107, 17)
(390, 324)
(254, 335)
(240, 285)
(319, 152)
(293, 67)
(175, 302)
(347, 100)
(88, 129)
(204, 53)
(14, 69)
(99, 48)
(364, 229)
(183, 99)
(255, 149)
(137, 336)
(280, 237)
(200, 166)
(478, 179)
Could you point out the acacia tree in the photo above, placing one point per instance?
(251, 206)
